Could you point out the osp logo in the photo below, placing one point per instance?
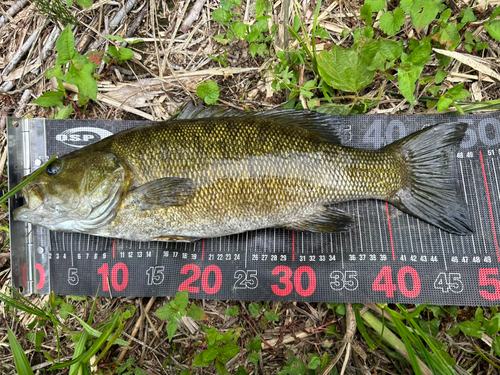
(80, 137)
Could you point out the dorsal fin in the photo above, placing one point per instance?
(323, 125)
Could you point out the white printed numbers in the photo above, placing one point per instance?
(155, 275)
(450, 282)
(341, 280)
(246, 279)
(375, 135)
(73, 278)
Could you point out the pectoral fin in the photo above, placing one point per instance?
(161, 193)
(327, 220)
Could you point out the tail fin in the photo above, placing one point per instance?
(429, 190)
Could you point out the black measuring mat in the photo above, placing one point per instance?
(387, 256)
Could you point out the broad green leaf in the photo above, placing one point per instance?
(260, 7)
(493, 28)
(258, 49)
(115, 37)
(347, 69)
(391, 24)
(125, 53)
(233, 311)
(390, 49)
(172, 328)
(64, 112)
(221, 367)
(36, 338)
(83, 79)
(228, 351)
(314, 363)
(448, 36)
(376, 5)
(366, 13)
(407, 80)
(50, 99)
(492, 326)
(205, 358)
(221, 16)
(471, 328)
(255, 344)
(56, 71)
(208, 91)
(65, 46)
(239, 29)
(423, 12)
(197, 313)
(255, 309)
(440, 76)
(467, 16)
(22, 363)
(65, 309)
(165, 312)
(69, 3)
(434, 91)
(85, 3)
(113, 51)
(457, 93)
(430, 327)
(254, 358)
(420, 54)
(443, 18)
(334, 109)
(271, 316)
(296, 367)
(406, 5)
(496, 346)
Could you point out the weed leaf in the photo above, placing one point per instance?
(391, 24)
(50, 99)
(347, 69)
(65, 46)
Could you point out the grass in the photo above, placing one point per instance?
(87, 335)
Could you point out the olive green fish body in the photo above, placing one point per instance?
(187, 179)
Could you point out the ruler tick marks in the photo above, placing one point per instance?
(390, 230)
(478, 208)
(359, 228)
(409, 232)
(489, 206)
(463, 182)
(203, 250)
(442, 247)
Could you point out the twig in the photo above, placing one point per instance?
(22, 103)
(16, 7)
(121, 14)
(193, 15)
(24, 48)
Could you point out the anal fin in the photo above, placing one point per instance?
(327, 220)
(176, 239)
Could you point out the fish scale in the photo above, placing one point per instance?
(426, 264)
(189, 179)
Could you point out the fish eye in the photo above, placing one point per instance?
(54, 167)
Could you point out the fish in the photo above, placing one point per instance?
(228, 173)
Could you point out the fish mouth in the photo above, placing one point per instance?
(33, 196)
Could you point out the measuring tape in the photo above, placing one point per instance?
(387, 256)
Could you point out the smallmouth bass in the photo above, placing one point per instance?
(192, 178)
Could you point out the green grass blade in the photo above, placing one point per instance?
(100, 341)
(22, 363)
(362, 329)
(13, 191)
(405, 333)
(96, 333)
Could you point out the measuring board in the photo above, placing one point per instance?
(387, 256)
